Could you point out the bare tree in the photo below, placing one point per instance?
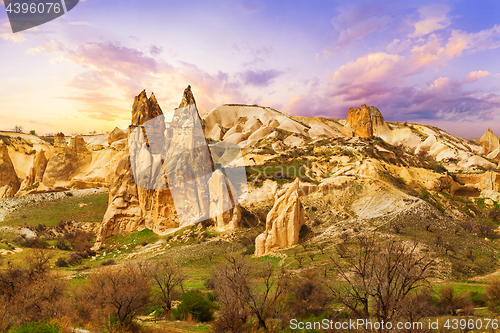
(381, 275)
(32, 293)
(235, 288)
(119, 291)
(18, 129)
(166, 277)
(299, 257)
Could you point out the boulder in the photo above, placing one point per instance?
(366, 121)
(8, 174)
(120, 144)
(224, 211)
(283, 222)
(489, 142)
(116, 135)
(235, 129)
(6, 192)
(36, 172)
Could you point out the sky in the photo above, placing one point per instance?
(425, 62)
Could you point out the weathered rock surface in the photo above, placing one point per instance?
(489, 142)
(37, 170)
(366, 121)
(60, 140)
(283, 223)
(116, 135)
(8, 174)
(124, 212)
(6, 192)
(223, 209)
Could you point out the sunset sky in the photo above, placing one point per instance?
(416, 61)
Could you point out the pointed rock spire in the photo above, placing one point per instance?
(187, 98)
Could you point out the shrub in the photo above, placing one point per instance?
(249, 250)
(108, 262)
(493, 293)
(194, 303)
(74, 258)
(495, 215)
(38, 327)
(61, 262)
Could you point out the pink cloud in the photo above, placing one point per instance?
(432, 18)
(475, 75)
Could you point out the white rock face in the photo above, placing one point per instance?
(225, 211)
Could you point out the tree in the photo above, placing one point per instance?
(120, 291)
(307, 295)
(32, 293)
(18, 129)
(166, 278)
(194, 303)
(493, 293)
(381, 275)
(32, 132)
(239, 294)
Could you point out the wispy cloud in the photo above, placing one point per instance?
(432, 18)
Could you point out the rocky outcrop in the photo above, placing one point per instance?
(8, 174)
(283, 223)
(77, 143)
(37, 170)
(6, 192)
(366, 121)
(60, 140)
(489, 142)
(124, 212)
(66, 163)
(116, 135)
(224, 212)
(145, 109)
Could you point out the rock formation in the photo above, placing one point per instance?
(131, 207)
(37, 170)
(6, 192)
(223, 209)
(489, 142)
(283, 223)
(8, 174)
(365, 122)
(60, 140)
(116, 135)
(166, 177)
(66, 162)
(77, 143)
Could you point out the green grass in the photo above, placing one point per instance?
(52, 212)
(133, 238)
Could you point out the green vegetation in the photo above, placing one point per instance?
(85, 209)
(43, 326)
(196, 305)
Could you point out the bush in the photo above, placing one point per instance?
(61, 263)
(108, 262)
(249, 250)
(194, 303)
(493, 293)
(74, 258)
(38, 327)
